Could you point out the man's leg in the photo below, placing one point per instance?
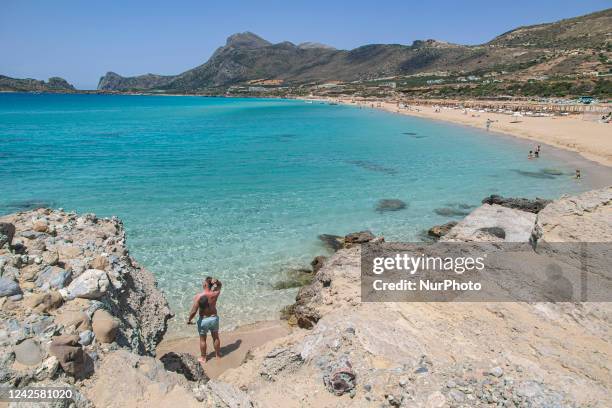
(202, 358)
(216, 343)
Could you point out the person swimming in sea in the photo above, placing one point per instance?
(205, 305)
(530, 155)
(536, 154)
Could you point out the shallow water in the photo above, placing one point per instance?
(240, 188)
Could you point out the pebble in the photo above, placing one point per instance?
(496, 372)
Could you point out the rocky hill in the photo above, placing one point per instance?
(54, 84)
(247, 57)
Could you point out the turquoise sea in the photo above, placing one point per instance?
(240, 188)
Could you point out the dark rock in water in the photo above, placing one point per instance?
(461, 206)
(535, 174)
(495, 231)
(409, 133)
(30, 205)
(295, 278)
(360, 237)
(7, 232)
(334, 242)
(523, 204)
(364, 164)
(552, 172)
(185, 364)
(317, 263)
(438, 231)
(390, 204)
(451, 212)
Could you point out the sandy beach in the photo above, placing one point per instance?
(591, 139)
(235, 344)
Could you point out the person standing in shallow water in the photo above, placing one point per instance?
(205, 305)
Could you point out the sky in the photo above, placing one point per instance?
(82, 40)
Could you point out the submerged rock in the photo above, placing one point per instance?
(523, 204)
(295, 278)
(334, 242)
(451, 212)
(390, 204)
(317, 263)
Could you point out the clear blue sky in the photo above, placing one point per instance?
(81, 40)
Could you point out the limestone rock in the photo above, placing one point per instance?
(280, 360)
(523, 204)
(586, 217)
(105, 326)
(28, 352)
(99, 262)
(91, 284)
(516, 225)
(77, 319)
(86, 337)
(50, 258)
(185, 364)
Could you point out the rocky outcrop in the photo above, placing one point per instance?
(493, 223)
(438, 231)
(583, 218)
(523, 204)
(69, 294)
(54, 84)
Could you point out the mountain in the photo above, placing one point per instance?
(247, 58)
(54, 84)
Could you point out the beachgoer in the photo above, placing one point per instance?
(205, 305)
(536, 154)
(578, 173)
(530, 156)
(538, 149)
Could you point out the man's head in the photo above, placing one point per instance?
(207, 282)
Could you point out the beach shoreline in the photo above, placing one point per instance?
(593, 144)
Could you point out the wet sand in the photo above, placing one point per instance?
(234, 344)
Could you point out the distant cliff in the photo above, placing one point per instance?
(54, 84)
(247, 58)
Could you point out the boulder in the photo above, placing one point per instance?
(306, 317)
(585, 218)
(28, 352)
(71, 356)
(105, 326)
(517, 225)
(185, 364)
(99, 262)
(8, 287)
(390, 204)
(53, 277)
(317, 263)
(91, 284)
(360, 237)
(438, 231)
(40, 225)
(69, 251)
(7, 232)
(523, 204)
(340, 377)
(50, 258)
(44, 302)
(77, 319)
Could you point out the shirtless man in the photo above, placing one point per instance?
(206, 304)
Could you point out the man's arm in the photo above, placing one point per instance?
(193, 311)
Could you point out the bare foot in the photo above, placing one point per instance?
(218, 355)
(202, 360)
